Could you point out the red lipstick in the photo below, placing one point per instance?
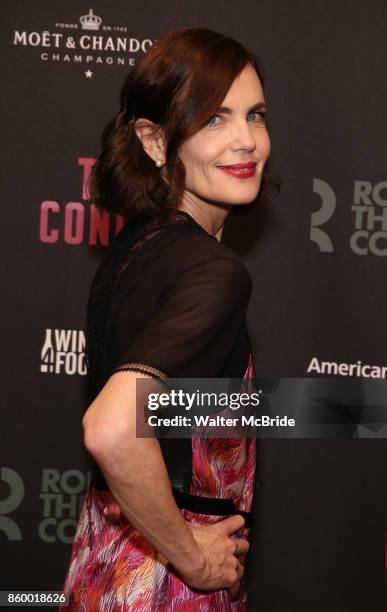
(242, 170)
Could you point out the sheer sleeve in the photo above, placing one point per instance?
(197, 318)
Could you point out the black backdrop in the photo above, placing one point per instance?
(317, 255)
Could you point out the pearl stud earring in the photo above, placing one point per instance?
(159, 163)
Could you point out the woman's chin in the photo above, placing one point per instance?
(240, 199)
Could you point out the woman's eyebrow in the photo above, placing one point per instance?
(258, 106)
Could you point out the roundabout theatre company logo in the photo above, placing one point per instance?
(369, 208)
(62, 495)
(88, 41)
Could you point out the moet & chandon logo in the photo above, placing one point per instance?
(87, 41)
(90, 21)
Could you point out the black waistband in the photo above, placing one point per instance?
(194, 503)
(209, 505)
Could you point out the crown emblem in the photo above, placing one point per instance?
(90, 21)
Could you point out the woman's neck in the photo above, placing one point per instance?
(210, 216)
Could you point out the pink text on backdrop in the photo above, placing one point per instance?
(76, 222)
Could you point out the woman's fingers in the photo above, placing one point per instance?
(240, 569)
(241, 546)
(234, 590)
(242, 558)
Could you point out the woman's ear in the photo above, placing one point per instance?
(152, 139)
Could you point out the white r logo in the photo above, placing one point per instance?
(321, 216)
(12, 502)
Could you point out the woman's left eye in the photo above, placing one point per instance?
(257, 115)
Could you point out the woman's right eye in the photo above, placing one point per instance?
(210, 122)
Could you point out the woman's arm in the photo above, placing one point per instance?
(135, 471)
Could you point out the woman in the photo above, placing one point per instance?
(188, 144)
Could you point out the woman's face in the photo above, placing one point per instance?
(237, 134)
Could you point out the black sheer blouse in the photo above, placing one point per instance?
(171, 301)
(172, 298)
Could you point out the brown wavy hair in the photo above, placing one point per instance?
(178, 84)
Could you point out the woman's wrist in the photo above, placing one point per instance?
(191, 559)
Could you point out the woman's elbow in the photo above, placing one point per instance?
(94, 439)
(102, 439)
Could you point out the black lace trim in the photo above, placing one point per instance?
(143, 368)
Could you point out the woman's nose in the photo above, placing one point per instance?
(242, 137)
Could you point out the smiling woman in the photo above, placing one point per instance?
(238, 145)
(165, 523)
(142, 170)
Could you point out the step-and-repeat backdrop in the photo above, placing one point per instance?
(317, 254)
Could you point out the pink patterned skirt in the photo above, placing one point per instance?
(113, 568)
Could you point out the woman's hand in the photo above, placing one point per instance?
(234, 590)
(220, 568)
